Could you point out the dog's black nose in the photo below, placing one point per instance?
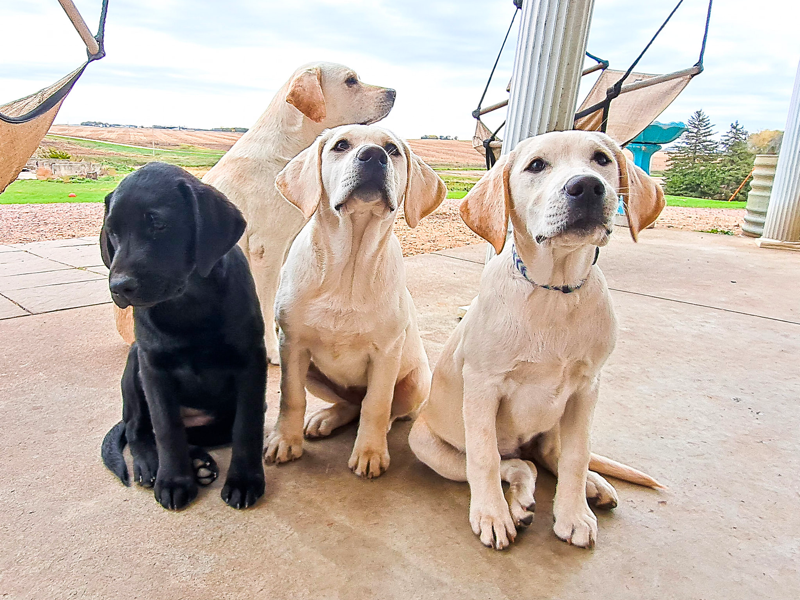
(585, 189)
(123, 285)
(373, 156)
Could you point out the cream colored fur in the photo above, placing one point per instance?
(348, 327)
(519, 376)
(317, 96)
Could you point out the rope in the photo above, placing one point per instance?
(699, 62)
(101, 33)
(477, 112)
(490, 160)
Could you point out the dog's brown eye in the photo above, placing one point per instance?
(601, 159)
(351, 81)
(537, 165)
(341, 146)
(155, 223)
(391, 150)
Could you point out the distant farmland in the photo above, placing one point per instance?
(452, 154)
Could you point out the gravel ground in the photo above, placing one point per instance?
(21, 223)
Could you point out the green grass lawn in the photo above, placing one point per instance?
(671, 201)
(702, 203)
(31, 191)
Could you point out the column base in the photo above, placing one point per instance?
(778, 244)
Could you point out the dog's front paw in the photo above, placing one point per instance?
(175, 493)
(283, 448)
(493, 525)
(369, 462)
(242, 491)
(578, 527)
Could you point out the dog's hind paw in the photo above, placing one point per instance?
(205, 467)
(144, 471)
(243, 491)
(600, 493)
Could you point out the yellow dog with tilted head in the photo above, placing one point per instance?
(519, 377)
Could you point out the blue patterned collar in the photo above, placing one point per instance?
(566, 289)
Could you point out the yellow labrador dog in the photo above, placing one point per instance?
(519, 376)
(317, 96)
(348, 325)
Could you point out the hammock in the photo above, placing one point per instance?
(639, 103)
(636, 103)
(24, 122)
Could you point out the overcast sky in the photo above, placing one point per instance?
(206, 63)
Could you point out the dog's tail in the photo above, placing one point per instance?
(111, 452)
(606, 466)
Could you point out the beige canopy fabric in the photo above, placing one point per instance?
(636, 107)
(482, 132)
(18, 141)
(24, 122)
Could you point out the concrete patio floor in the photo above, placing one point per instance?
(702, 392)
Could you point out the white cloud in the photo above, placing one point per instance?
(208, 64)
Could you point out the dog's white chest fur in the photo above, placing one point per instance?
(533, 397)
(536, 357)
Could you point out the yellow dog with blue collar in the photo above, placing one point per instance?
(519, 377)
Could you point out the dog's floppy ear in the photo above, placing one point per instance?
(218, 224)
(425, 190)
(300, 182)
(642, 197)
(485, 208)
(305, 94)
(106, 247)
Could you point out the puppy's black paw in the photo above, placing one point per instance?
(145, 469)
(205, 467)
(177, 493)
(242, 491)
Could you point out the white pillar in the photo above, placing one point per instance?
(547, 68)
(782, 225)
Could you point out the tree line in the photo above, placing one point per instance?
(702, 167)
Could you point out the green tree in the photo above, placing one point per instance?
(736, 135)
(736, 162)
(692, 163)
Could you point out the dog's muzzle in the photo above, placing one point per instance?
(122, 288)
(386, 104)
(586, 199)
(372, 164)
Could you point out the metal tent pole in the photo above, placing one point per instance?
(782, 225)
(547, 69)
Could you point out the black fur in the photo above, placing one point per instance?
(169, 242)
(205, 467)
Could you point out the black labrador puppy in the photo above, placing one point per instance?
(197, 372)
